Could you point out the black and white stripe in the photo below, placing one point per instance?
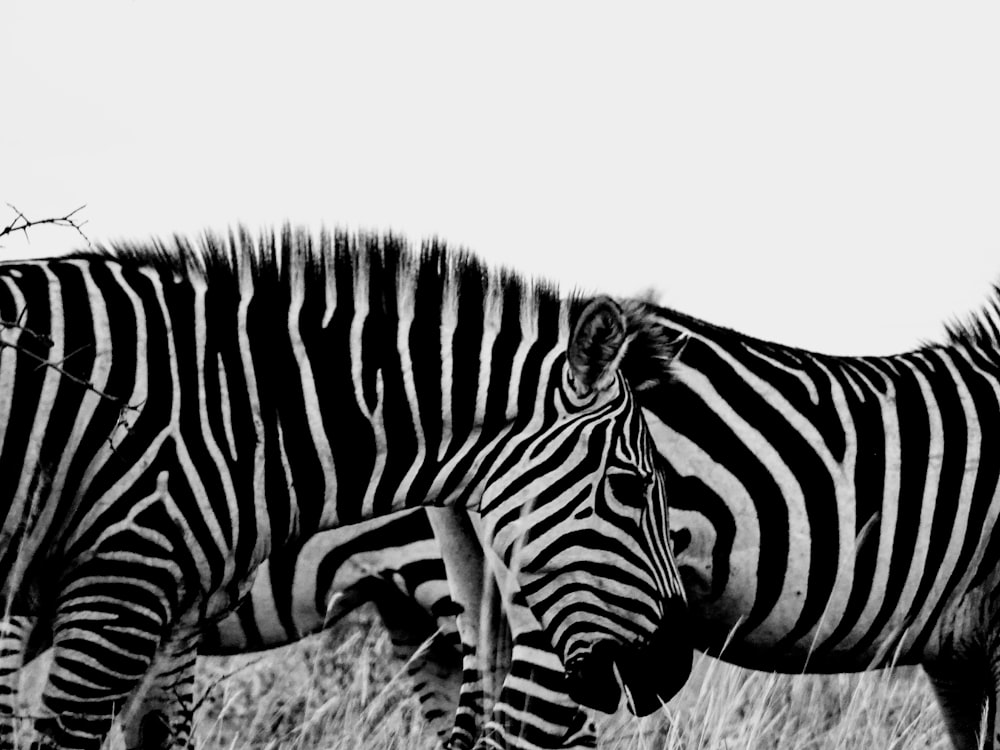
(839, 513)
(835, 513)
(395, 563)
(174, 414)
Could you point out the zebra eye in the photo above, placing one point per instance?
(630, 489)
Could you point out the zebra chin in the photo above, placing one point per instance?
(650, 675)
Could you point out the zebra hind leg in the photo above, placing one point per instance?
(435, 671)
(109, 624)
(159, 712)
(432, 652)
(15, 632)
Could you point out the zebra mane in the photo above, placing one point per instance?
(979, 329)
(296, 259)
(651, 348)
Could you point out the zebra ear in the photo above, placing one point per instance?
(596, 346)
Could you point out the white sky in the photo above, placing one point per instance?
(826, 177)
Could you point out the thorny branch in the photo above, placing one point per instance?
(42, 362)
(22, 223)
(58, 366)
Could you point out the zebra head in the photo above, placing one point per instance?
(581, 521)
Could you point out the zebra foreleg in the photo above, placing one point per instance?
(436, 673)
(534, 710)
(463, 558)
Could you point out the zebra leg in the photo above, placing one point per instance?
(463, 558)
(15, 632)
(432, 652)
(964, 694)
(436, 673)
(109, 623)
(159, 712)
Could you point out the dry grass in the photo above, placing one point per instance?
(727, 708)
(341, 690)
(336, 691)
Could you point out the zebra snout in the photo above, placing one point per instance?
(591, 680)
(662, 665)
(650, 673)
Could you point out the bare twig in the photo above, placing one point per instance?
(124, 409)
(42, 362)
(22, 223)
(19, 326)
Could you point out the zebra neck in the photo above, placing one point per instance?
(428, 402)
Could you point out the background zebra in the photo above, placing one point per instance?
(162, 408)
(839, 513)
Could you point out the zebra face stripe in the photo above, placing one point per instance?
(582, 524)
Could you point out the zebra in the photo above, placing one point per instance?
(835, 514)
(166, 407)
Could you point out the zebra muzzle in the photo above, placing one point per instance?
(592, 680)
(655, 673)
(649, 675)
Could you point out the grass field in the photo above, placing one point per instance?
(341, 691)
